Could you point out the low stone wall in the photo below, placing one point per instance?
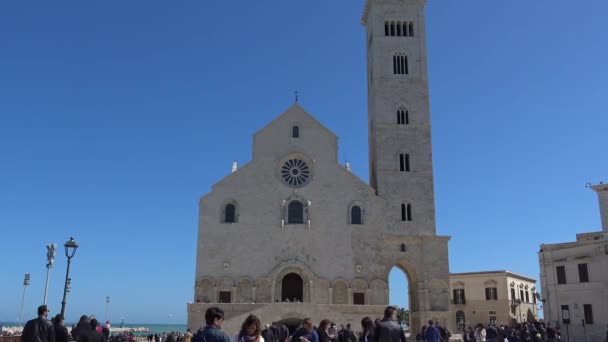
(10, 338)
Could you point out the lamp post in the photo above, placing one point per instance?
(107, 308)
(26, 283)
(50, 259)
(70, 250)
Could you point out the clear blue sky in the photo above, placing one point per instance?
(115, 117)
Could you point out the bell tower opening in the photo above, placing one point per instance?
(292, 288)
(399, 294)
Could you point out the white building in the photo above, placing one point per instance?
(574, 280)
(492, 297)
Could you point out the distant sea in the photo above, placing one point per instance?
(154, 328)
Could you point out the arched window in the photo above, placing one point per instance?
(295, 132)
(295, 213)
(403, 116)
(230, 213)
(392, 28)
(404, 29)
(386, 29)
(403, 247)
(409, 212)
(398, 29)
(411, 29)
(406, 212)
(400, 66)
(355, 215)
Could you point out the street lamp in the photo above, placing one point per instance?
(70, 250)
(107, 308)
(26, 283)
(50, 259)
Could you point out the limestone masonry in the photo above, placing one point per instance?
(294, 234)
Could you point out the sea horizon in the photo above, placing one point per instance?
(155, 328)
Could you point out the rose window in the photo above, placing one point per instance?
(295, 172)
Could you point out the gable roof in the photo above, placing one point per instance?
(296, 107)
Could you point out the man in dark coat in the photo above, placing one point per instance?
(39, 329)
(61, 332)
(388, 330)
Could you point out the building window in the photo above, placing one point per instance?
(230, 213)
(491, 293)
(527, 297)
(295, 132)
(411, 29)
(225, 297)
(533, 297)
(404, 162)
(359, 298)
(458, 296)
(493, 318)
(406, 212)
(561, 274)
(403, 116)
(392, 28)
(386, 29)
(521, 295)
(295, 213)
(588, 313)
(400, 66)
(513, 294)
(583, 273)
(355, 215)
(403, 249)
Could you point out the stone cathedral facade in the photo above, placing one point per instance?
(294, 234)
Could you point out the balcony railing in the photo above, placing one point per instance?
(459, 301)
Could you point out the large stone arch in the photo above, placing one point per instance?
(340, 292)
(263, 290)
(244, 291)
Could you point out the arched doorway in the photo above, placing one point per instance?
(292, 288)
(399, 295)
(460, 320)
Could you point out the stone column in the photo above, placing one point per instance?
(310, 292)
(368, 296)
(215, 294)
(253, 289)
(234, 298)
(331, 295)
(349, 292)
(272, 288)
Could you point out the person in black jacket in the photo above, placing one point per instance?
(388, 330)
(61, 332)
(39, 329)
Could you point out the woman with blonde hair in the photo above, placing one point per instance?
(251, 330)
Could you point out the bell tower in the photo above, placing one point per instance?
(400, 152)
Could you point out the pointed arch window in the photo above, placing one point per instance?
(355, 215)
(403, 116)
(295, 212)
(406, 212)
(400, 66)
(295, 131)
(230, 213)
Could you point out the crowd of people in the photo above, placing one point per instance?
(522, 332)
(385, 330)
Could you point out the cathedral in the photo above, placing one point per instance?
(294, 234)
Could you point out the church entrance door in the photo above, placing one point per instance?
(292, 288)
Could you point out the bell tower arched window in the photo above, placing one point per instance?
(403, 116)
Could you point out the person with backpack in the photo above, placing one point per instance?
(39, 329)
(306, 333)
(214, 318)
